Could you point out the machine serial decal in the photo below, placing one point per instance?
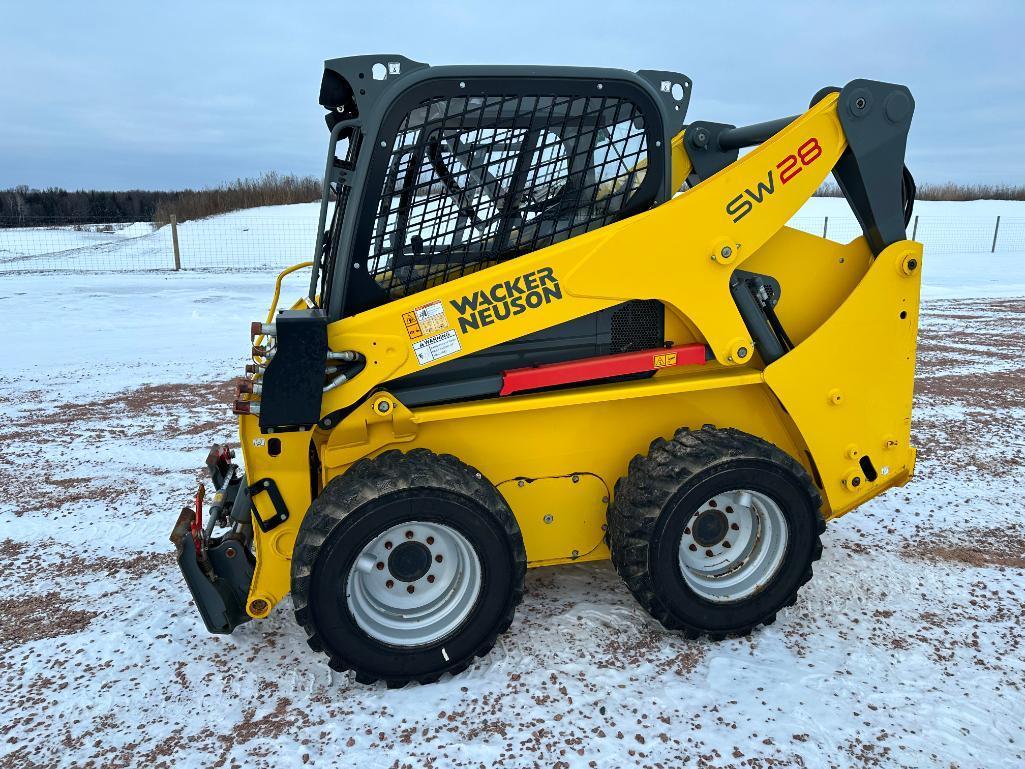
(789, 167)
(507, 298)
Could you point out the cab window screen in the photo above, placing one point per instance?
(473, 181)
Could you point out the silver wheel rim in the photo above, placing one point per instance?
(742, 561)
(394, 603)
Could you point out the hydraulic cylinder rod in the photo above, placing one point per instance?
(752, 135)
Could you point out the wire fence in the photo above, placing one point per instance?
(239, 242)
(223, 243)
(939, 234)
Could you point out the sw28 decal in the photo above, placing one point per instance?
(789, 167)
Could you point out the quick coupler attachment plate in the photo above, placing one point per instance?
(218, 575)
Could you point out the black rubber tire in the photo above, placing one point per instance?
(368, 498)
(663, 490)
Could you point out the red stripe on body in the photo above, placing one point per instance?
(601, 367)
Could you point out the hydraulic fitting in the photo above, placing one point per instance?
(344, 355)
(246, 407)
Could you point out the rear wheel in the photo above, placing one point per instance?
(714, 531)
(407, 567)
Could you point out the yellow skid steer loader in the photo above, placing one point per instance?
(550, 323)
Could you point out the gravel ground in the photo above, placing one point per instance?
(905, 650)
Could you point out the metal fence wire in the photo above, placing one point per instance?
(232, 242)
(242, 242)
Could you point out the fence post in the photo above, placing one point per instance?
(996, 229)
(825, 227)
(174, 243)
(914, 230)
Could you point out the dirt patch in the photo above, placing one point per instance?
(970, 352)
(22, 758)
(995, 390)
(957, 350)
(178, 401)
(999, 547)
(50, 494)
(11, 551)
(979, 311)
(150, 397)
(625, 652)
(56, 492)
(284, 719)
(67, 570)
(973, 440)
(970, 389)
(1013, 305)
(143, 400)
(206, 426)
(871, 751)
(39, 616)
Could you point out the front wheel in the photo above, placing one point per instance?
(714, 531)
(406, 567)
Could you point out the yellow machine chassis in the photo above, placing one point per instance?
(839, 403)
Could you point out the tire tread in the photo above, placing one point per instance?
(370, 479)
(651, 482)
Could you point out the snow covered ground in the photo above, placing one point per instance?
(958, 236)
(906, 650)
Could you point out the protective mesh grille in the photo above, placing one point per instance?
(473, 181)
(637, 325)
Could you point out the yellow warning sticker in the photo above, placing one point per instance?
(666, 360)
(424, 321)
(412, 325)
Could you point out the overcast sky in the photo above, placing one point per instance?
(166, 95)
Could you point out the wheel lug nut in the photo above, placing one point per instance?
(410, 588)
(380, 565)
(729, 509)
(389, 584)
(438, 558)
(726, 544)
(430, 578)
(693, 546)
(687, 530)
(735, 527)
(409, 535)
(430, 540)
(387, 545)
(709, 553)
(711, 503)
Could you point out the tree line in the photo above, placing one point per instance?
(25, 206)
(22, 206)
(948, 191)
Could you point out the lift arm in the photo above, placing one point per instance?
(683, 252)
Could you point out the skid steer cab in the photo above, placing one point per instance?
(548, 322)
